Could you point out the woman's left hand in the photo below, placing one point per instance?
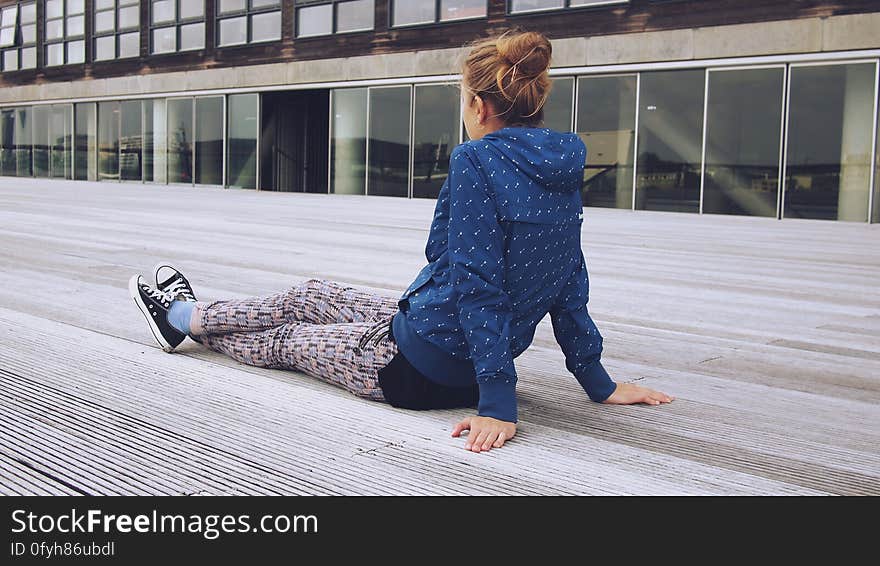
(485, 433)
(629, 394)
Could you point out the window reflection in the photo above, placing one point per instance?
(348, 146)
(558, 110)
(435, 134)
(829, 131)
(108, 140)
(606, 123)
(180, 136)
(130, 141)
(209, 140)
(670, 140)
(742, 142)
(243, 131)
(388, 170)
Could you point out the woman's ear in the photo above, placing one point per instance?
(479, 109)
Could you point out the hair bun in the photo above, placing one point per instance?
(529, 51)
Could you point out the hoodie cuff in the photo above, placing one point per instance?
(498, 399)
(597, 383)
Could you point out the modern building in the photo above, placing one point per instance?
(748, 107)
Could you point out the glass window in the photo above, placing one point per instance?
(129, 45)
(23, 141)
(233, 31)
(178, 25)
(243, 118)
(61, 141)
(830, 122)
(315, 18)
(243, 22)
(209, 140)
(10, 60)
(192, 36)
(413, 12)
(743, 128)
(180, 140)
(112, 19)
(65, 21)
(532, 5)
(131, 140)
(460, 9)
(435, 134)
(18, 37)
(228, 6)
(348, 144)
(8, 25)
(529, 5)
(164, 40)
(85, 142)
(7, 143)
(155, 151)
(41, 141)
(558, 107)
(164, 11)
(76, 52)
(875, 215)
(670, 140)
(108, 140)
(266, 27)
(606, 122)
(147, 149)
(388, 153)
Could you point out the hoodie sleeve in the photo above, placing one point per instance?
(579, 338)
(476, 259)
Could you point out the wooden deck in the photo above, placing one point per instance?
(768, 333)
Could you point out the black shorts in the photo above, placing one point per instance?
(406, 387)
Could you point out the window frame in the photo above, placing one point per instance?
(116, 33)
(18, 45)
(436, 20)
(177, 24)
(334, 24)
(566, 5)
(248, 14)
(65, 40)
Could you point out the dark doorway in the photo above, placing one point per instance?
(294, 144)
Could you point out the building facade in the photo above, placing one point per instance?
(747, 107)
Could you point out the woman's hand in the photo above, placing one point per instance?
(629, 394)
(485, 433)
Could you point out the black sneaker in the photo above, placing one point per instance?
(170, 280)
(154, 305)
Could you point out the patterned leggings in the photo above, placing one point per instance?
(322, 328)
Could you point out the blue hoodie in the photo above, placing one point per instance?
(504, 249)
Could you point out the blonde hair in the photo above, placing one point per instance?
(510, 72)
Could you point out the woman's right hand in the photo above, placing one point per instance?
(629, 394)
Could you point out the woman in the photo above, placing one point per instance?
(504, 250)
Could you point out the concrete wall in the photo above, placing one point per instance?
(811, 35)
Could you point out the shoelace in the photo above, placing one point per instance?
(379, 331)
(157, 294)
(180, 288)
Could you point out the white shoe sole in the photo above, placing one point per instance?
(135, 293)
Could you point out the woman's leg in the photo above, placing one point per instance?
(329, 352)
(315, 301)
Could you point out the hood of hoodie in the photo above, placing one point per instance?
(551, 160)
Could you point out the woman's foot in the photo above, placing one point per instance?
(154, 305)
